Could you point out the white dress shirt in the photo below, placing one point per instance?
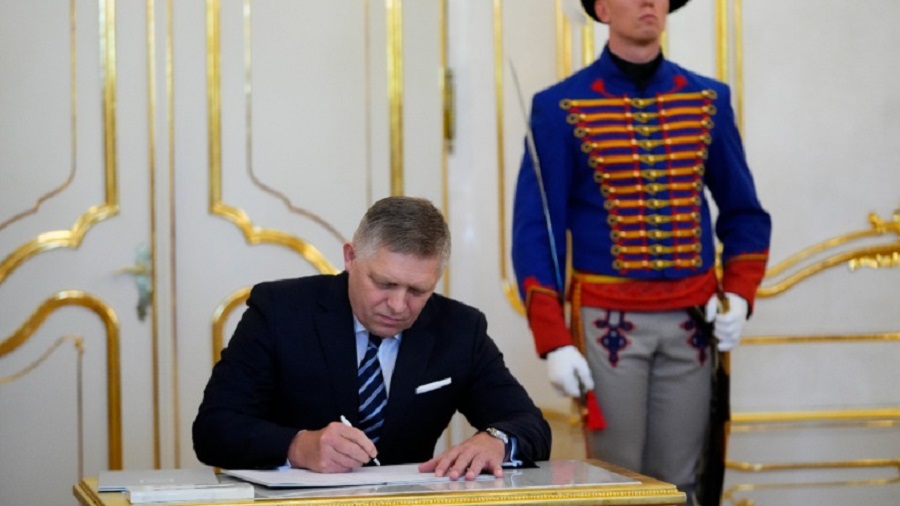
(387, 352)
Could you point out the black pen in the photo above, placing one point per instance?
(348, 424)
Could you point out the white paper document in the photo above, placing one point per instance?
(376, 475)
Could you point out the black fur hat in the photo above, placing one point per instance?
(588, 5)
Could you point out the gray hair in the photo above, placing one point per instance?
(406, 225)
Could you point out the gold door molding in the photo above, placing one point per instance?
(113, 375)
(839, 250)
(73, 237)
(255, 234)
(73, 101)
(220, 318)
(78, 344)
(252, 234)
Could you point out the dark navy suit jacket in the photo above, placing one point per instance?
(292, 365)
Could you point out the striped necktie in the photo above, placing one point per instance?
(372, 393)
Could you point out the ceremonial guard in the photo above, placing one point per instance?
(619, 157)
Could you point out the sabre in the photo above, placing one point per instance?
(711, 474)
(590, 409)
(532, 151)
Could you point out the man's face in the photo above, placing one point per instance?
(388, 290)
(637, 22)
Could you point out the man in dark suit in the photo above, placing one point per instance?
(301, 359)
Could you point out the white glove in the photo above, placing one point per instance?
(566, 368)
(727, 326)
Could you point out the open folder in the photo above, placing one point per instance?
(378, 475)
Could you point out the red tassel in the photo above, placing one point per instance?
(594, 419)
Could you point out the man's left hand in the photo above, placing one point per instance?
(727, 325)
(481, 452)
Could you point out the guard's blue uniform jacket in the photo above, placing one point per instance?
(624, 170)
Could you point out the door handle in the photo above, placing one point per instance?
(141, 272)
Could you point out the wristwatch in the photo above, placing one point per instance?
(499, 434)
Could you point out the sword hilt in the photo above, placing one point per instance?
(724, 305)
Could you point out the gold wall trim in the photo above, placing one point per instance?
(73, 101)
(331, 229)
(777, 420)
(813, 422)
(793, 270)
(113, 375)
(762, 417)
(563, 42)
(395, 90)
(43, 198)
(770, 420)
(725, 71)
(588, 45)
(738, 30)
(509, 286)
(721, 40)
(367, 73)
(108, 50)
(220, 318)
(78, 343)
(755, 467)
(448, 106)
(151, 190)
(248, 114)
(57, 238)
(819, 339)
(728, 495)
(173, 237)
(72, 238)
(252, 233)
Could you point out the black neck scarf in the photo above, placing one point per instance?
(639, 73)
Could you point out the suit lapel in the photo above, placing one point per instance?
(334, 326)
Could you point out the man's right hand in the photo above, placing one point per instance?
(335, 448)
(567, 368)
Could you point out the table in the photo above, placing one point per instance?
(556, 482)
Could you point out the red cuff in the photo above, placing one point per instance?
(545, 317)
(743, 275)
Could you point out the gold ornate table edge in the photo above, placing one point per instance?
(647, 491)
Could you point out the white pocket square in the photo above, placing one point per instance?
(434, 385)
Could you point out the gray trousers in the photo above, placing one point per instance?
(652, 379)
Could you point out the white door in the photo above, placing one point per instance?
(76, 372)
(159, 158)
